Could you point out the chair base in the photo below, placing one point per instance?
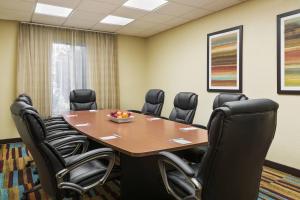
(141, 179)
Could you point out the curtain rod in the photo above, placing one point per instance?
(71, 28)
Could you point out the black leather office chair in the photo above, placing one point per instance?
(83, 99)
(185, 105)
(195, 154)
(61, 177)
(48, 121)
(240, 134)
(222, 98)
(56, 135)
(227, 97)
(154, 101)
(56, 127)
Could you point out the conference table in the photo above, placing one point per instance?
(138, 143)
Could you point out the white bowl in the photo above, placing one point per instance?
(122, 120)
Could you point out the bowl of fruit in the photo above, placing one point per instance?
(121, 116)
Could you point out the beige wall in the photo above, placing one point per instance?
(132, 74)
(177, 62)
(8, 63)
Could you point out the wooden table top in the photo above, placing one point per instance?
(138, 138)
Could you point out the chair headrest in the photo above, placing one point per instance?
(186, 100)
(82, 96)
(227, 97)
(249, 106)
(155, 96)
(26, 98)
(23, 99)
(20, 107)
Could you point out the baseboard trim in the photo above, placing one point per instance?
(283, 168)
(10, 140)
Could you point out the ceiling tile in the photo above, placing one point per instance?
(80, 24)
(130, 31)
(34, 1)
(158, 28)
(197, 13)
(220, 4)
(45, 19)
(62, 3)
(117, 2)
(174, 9)
(195, 3)
(97, 6)
(107, 27)
(83, 19)
(129, 12)
(18, 5)
(15, 15)
(177, 21)
(140, 24)
(84, 15)
(157, 18)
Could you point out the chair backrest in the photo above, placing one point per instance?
(26, 98)
(227, 97)
(185, 105)
(240, 134)
(83, 99)
(154, 101)
(32, 131)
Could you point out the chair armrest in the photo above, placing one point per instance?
(58, 118)
(67, 141)
(105, 152)
(53, 122)
(199, 126)
(173, 159)
(53, 135)
(58, 127)
(72, 163)
(135, 111)
(74, 142)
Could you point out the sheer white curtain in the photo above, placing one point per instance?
(68, 72)
(54, 61)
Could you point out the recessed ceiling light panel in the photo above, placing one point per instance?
(57, 11)
(116, 20)
(148, 5)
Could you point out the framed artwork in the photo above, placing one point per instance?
(288, 53)
(224, 60)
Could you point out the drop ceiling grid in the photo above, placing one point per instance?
(88, 13)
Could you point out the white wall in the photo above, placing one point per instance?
(177, 62)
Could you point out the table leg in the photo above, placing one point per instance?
(141, 179)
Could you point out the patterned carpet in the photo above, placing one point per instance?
(15, 178)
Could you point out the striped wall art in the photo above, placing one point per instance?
(224, 65)
(288, 53)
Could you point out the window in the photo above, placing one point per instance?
(69, 72)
